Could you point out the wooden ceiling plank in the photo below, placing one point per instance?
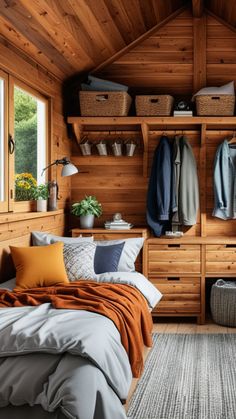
(79, 34)
(199, 53)
(17, 39)
(148, 13)
(138, 41)
(197, 8)
(123, 20)
(47, 15)
(94, 30)
(20, 18)
(12, 59)
(133, 8)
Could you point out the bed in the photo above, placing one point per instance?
(67, 363)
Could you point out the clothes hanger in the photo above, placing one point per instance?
(233, 139)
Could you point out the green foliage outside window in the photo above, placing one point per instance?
(25, 107)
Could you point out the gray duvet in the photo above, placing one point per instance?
(66, 361)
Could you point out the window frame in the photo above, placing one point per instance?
(4, 204)
(24, 206)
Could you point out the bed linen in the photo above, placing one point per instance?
(86, 377)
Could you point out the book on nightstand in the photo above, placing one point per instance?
(117, 225)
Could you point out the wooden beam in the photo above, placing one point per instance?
(137, 41)
(199, 53)
(197, 8)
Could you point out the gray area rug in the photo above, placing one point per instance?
(187, 377)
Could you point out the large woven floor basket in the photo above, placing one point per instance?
(223, 302)
(154, 105)
(104, 103)
(215, 105)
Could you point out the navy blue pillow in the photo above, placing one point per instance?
(107, 258)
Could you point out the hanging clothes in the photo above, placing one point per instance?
(159, 189)
(188, 203)
(175, 180)
(224, 180)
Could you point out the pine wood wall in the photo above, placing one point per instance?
(181, 57)
(15, 228)
(161, 63)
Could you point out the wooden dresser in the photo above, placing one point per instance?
(179, 268)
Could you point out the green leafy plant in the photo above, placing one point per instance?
(88, 206)
(25, 184)
(40, 192)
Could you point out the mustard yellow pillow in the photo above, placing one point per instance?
(39, 266)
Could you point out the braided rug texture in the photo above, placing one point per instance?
(187, 377)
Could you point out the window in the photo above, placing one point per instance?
(24, 151)
(3, 142)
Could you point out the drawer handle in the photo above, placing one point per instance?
(173, 245)
(174, 278)
(230, 245)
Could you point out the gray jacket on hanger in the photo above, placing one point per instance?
(188, 185)
(225, 182)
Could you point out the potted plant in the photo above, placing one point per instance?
(87, 209)
(40, 194)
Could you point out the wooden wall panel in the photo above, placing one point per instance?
(118, 182)
(221, 53)
(16, 230)
(163, 62)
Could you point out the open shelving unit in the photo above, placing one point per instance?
(178, 267)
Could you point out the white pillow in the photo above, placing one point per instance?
(40, 238)
(226, 89)
(129, 253)
(79, 260)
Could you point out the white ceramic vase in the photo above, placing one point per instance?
(86, 221)
(42, 205)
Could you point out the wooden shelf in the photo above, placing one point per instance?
(137, 120)
(145, 124)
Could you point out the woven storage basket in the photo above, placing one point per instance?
(104, 103)
(154, 105)
(223, 302)
(215, 105)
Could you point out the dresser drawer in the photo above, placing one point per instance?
(220, 259)
(181, 295)
(173, 258)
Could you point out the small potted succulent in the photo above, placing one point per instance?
(87, 209)
(40, 194)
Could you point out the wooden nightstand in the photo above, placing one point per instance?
(103, 234)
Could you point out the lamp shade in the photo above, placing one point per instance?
(68, 170)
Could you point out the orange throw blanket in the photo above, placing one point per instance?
(121, 303)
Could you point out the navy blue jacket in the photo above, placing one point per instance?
(159, 189)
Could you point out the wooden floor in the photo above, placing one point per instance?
(184, 326)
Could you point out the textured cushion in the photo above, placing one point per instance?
(40, 238)
(40, 266)
(107, 258)
(226, 89)
(129, 253)
(79, 260)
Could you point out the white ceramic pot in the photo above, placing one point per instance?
(86, 221)
(42, 205)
